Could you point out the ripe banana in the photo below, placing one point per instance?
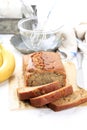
(8, 64)
(1, 59)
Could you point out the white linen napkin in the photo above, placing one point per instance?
(68, 42)
(83, 47)
(70, 45)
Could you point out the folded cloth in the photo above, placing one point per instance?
(68, 42)
(80, 30)
(83, 51)
(84, 68)
(75, 49)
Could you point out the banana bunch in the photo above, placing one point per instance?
(7, 63)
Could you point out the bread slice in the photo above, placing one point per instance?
(76, 98)
(25, 93)
(52, 96)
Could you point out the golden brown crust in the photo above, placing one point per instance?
(52, 96)
(76, 98)
(25, 93)
(42, 62)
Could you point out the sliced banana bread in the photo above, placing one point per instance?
(52, 96)
(76, 98)
(25, 93)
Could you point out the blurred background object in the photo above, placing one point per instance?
(28, 10)
(68, 12)
(11, 11)
(9, 25)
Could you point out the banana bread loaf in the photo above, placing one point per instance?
(76, 98)
(42, 68)
(52, 96)
(25, 93)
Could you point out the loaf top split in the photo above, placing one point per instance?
(43, 61)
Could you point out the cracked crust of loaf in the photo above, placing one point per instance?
(42, 68)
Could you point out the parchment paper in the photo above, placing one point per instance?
(17, 81)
